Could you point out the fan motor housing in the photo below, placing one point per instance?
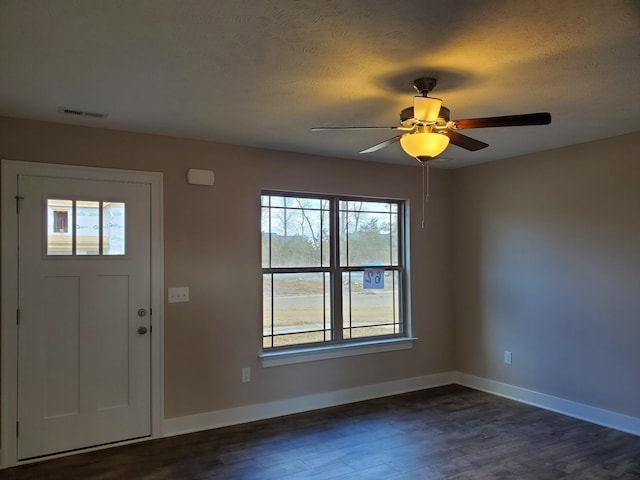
(407, 114)
(424, 85)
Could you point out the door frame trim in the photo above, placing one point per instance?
(9, 298)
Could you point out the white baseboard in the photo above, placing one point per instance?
(261, 411)
(599, 416)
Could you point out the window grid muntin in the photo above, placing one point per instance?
(74, 231)
(47, 206)
(285, 207)
(396, 210)
(396, 309)
(300, 329)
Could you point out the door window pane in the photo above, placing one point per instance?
(87, 228)
(113, 228)
(59, 227)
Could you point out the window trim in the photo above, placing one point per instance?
(326, 352)
(72, 227)
(337, 346)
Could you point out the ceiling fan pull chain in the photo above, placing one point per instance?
(425, 188)
(426, 198)
(423, 198)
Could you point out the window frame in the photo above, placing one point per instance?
(60, 221)
(49, 211)
(335, 271)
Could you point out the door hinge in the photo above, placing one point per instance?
(18, 316)
(18, 198)
(17, 429)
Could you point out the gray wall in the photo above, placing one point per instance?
(542, 253)
(212, 244)
(546, 264)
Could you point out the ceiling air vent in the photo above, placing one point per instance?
(81, 113)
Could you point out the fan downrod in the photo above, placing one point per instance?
(424, 85)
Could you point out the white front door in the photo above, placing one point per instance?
(84, 340)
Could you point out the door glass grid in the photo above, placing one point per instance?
(59, 227)
(85, 228)
(113, 228)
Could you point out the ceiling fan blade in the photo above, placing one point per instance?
(320, 129)
(381, 145)
(465, 142)
(543, 118)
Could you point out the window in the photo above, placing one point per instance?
(332, 269)
(61, 221)
(84, 227)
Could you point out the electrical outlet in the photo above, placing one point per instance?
(246, 375)
(507, 357)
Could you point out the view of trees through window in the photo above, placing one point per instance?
(315, 250)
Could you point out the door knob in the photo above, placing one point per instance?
(142, 330)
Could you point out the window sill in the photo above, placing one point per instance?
(287, 357)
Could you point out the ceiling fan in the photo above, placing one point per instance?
(426, 128)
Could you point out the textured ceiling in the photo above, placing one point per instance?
(262, 73)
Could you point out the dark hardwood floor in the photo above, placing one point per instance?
(449, 432)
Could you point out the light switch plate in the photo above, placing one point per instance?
(178, 294)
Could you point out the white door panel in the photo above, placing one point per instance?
(83, 368)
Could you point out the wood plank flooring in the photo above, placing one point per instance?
(448, 432)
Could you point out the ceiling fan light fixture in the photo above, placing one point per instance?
(424, 145)
(426, 128)
(426, 109)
